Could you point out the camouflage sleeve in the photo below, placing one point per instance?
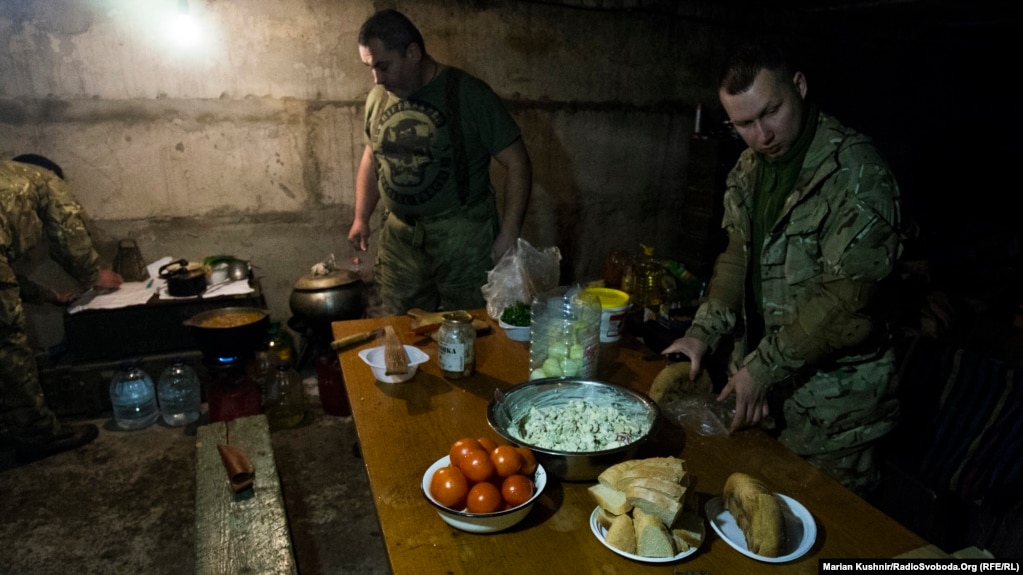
(70, 243)
(860, 245)
(725, 291)
(716, 317)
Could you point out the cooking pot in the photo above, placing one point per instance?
(183, 279)
(336, 296)
(227, 269)
(229, 331)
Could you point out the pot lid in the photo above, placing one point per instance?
(336, 278)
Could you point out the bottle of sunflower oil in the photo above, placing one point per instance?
(648, 274)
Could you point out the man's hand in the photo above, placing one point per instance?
(502, 243)
(750, 399)
(358, 236)
(694, 349)
(109, 279)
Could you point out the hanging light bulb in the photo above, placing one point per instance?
(184, 29)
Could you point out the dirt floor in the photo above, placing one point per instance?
(125, 503)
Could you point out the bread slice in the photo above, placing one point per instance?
(687, 531)
(669, 469)
(612, 500)
(652, 537)
(757, 512)
(669, 488)
(610, 476)
(622, 534)
(605, 518)
(664, 508)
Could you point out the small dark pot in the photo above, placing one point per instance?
(229, 331)
(183, 279)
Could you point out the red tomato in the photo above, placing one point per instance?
(528, 460)
(487, 443)
(460, 447)
(517, 489)
(477, 466)
(484, 497)
(507, 461)
(449, 487)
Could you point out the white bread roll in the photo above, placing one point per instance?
(758, 513)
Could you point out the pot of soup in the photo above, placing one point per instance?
(229, 331)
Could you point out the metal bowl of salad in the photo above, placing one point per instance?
(576, 427)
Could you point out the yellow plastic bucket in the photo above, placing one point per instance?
(613, 304)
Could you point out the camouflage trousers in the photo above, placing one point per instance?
(436, 262)
(23, 408)
(836, 419)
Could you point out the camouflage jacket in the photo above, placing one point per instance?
(834, 242)
(34, 202)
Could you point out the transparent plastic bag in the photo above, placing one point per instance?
(520, 274)
(701, 413)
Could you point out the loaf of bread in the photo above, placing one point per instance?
(651, 493)
(757, 512)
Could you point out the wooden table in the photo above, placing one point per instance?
(403, 428)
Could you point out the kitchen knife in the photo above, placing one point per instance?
(350, 340)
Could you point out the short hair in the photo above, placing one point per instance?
(747, 60)
(41, 161)
(393, 29)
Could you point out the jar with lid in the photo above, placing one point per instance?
(456, 345)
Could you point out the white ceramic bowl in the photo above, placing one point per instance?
(374, 357)
(482, 522)
(515, 332)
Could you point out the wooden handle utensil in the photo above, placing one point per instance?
(395, 357)
(350, 340)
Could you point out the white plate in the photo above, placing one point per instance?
(601, 533)
(800, 529)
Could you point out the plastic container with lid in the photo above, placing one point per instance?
(613, 304)
(565, 335)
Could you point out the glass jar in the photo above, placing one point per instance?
(456, 345)
(285, 402)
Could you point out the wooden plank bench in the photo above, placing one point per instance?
(246, 532)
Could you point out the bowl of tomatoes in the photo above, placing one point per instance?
(484, 487)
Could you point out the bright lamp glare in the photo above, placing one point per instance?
(183, 30)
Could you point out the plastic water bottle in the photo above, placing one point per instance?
(133, 397)
(178, 393)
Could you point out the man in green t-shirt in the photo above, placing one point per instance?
(812, 216)
(431, 132)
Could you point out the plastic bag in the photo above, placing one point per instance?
(700, 412)
(520, 274)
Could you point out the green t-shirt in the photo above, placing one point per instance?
(411, 140)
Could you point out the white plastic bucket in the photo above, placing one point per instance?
(613, 304)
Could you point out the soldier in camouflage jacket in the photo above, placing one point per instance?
(800, 287)
(35, 200)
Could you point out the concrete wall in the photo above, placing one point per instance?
(246, 142)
